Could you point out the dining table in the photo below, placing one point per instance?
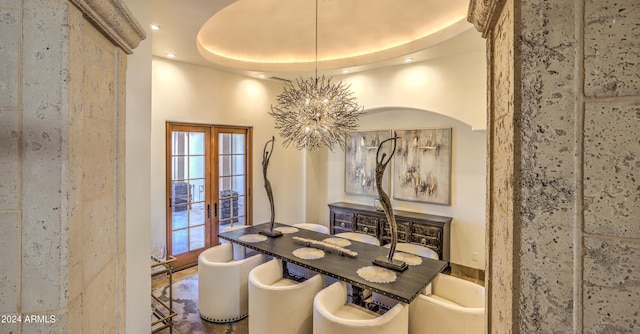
(406, 286)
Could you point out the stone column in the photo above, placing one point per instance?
(62, 180)
(563, 217)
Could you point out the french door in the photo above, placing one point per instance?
(208, 178)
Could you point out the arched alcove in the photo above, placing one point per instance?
(468, 178)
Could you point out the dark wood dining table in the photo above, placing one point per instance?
(408, 284)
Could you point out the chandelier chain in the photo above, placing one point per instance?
(316, 39)
(316, 112)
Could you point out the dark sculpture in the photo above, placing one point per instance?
(266, 155)
(381, 165)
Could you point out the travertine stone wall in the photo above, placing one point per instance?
(546, 164)
(61, 168)
(10, 29)
(610, 54)
(500, 172)
(564, 166)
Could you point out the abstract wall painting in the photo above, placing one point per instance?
(422, 166)
(360, 162)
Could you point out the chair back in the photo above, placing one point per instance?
(333, 314)
(278, 305)
(313, 227)
(366, 238)
(239, 252)
(416, 250)
(455, 306)
(222, 284)
(458, 290)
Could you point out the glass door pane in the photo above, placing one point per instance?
(232, 179)
(188, 191)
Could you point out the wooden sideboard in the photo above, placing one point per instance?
(418, 228)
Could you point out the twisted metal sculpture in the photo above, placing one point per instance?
(381, 165)
(266, 155)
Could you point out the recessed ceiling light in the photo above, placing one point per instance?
(345, 71)
(170, 55)
(261, 76)
(155, 27)
(408, 60)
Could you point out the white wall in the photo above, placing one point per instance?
(452, 86)
(189, 93)
(138, 184)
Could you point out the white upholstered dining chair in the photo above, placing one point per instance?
(332, 314)
(366, 238)
(313, 227)
(454, 306)
(278, 305)
(415, 250)
(222, 284)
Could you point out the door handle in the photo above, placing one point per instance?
(215, 209)
(208, 211)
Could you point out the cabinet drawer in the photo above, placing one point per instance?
(432, 243)
(342, 220)
(427, 231)
(403, 231)
(367, 224)
(426, 235)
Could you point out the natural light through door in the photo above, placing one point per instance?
(232, 173)
(188, 188)
(208, 178)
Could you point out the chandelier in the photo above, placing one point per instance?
(316, 112)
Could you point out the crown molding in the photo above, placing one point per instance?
(114, 20)
(483, 14)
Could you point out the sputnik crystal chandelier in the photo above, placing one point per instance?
(316, 112)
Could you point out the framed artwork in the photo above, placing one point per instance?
(360, 162)
(422, 166)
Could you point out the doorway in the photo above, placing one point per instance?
(208, 178)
